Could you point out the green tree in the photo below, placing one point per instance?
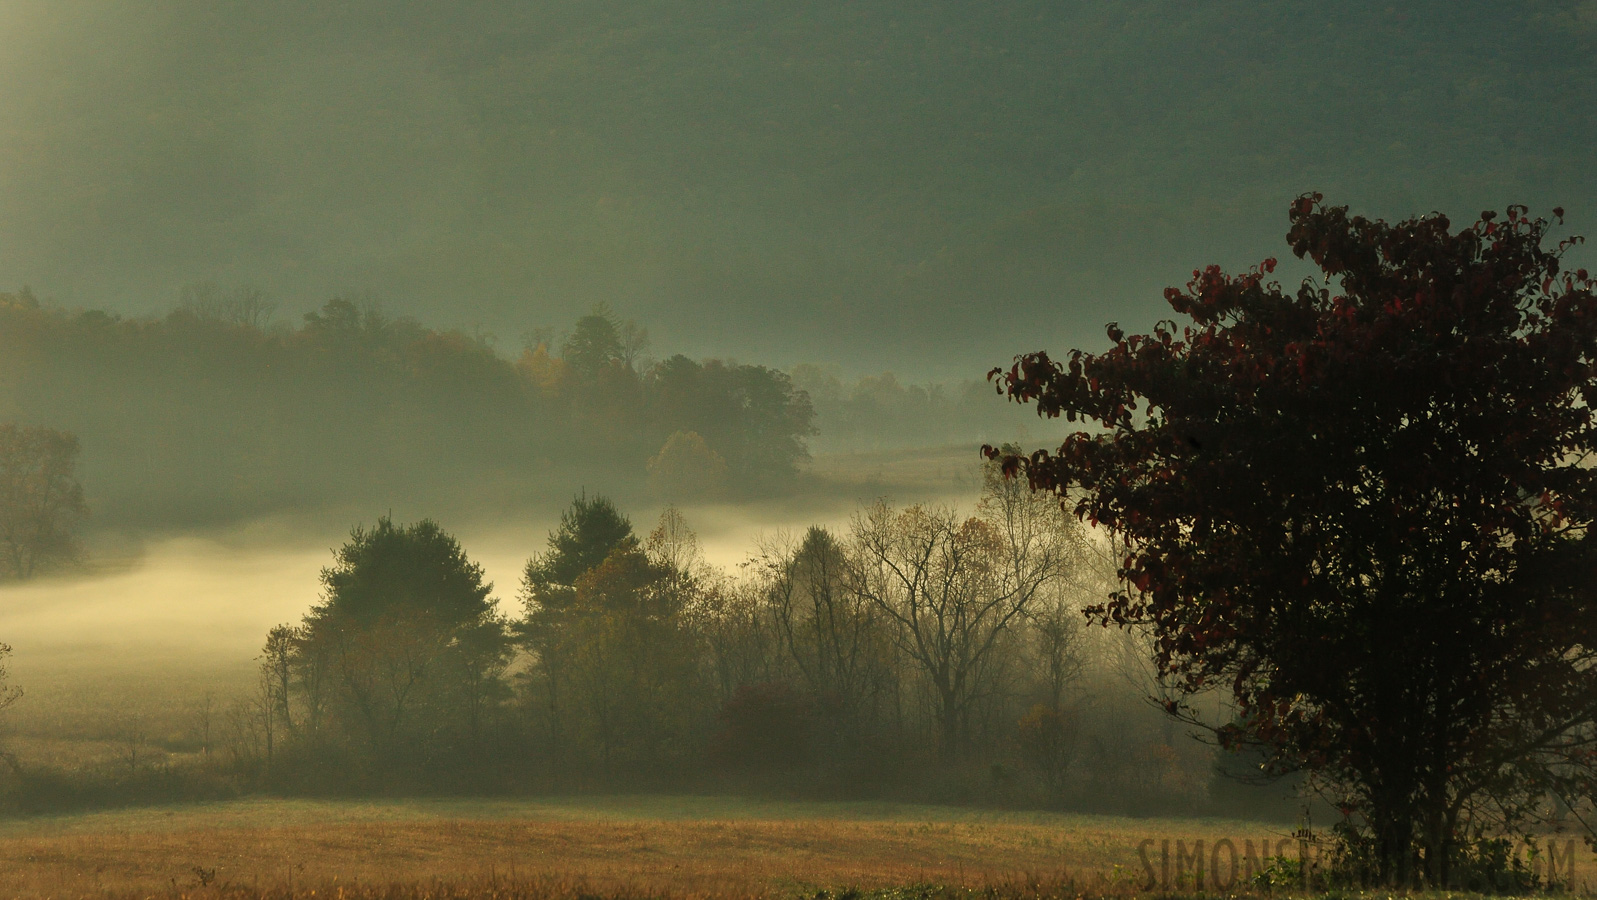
(415, 570)
(633, 662)
(408, 628)
(589, 529)
(751, 416)
(595, 344)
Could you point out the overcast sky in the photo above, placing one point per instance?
(918, 185)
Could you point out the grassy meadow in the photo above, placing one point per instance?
(629, 845)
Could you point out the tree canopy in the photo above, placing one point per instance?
(400, 663)
(404, 570)
(1363, 509)
(590, 528)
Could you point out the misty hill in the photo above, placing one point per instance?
(924, 186)
(208, 413)
(215, 411)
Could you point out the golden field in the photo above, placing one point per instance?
(677, 846)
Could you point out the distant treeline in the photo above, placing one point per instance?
(212, 411)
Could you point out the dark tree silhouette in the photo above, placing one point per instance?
(1364, 509)
(589, 530)
(408, 630)
(751, 416)
(411, 570)
(595, 343)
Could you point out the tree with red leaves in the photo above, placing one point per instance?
(1363, 508)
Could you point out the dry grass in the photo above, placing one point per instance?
(549, 888)
(625, 847)
(686, 847)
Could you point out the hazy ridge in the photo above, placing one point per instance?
(924, 187)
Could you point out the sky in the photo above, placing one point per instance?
(929, 187)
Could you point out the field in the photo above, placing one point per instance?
(678, 846)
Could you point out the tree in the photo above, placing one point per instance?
(1047, 741)
(954, 587)
(687, 468)
(633, 662)
(835, 636)
(766, 725)
(415, 570)
(408, 628)
(1363, 508)
(242, 306)
(41, 501)
(598, 341)
(751, 416)
(589, 531)
(9, 693)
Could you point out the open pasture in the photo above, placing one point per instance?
(681, 846)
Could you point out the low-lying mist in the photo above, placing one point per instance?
(183, 611)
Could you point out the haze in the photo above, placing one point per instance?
(923, 187)
(285, 286)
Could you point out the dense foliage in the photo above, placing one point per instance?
(920, 651)
(398, 665)
(1363, 510)
(212, 412)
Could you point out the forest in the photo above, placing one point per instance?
(216, 411)
(920, 653)
(624, 659)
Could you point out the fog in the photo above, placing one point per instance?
(927, 188)
(208, 598)
(269, 272)
(193, 609)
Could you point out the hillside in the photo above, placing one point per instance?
(929, 187)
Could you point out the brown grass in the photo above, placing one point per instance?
(602, 846)
(622, 847)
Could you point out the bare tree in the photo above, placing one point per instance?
(241, 305)
(1057, 632)
(131, 739)
(634, 340)
(742, 646)
(953, 587)
(9, 694)
(932, 575)
(835, 636)
(41, 501)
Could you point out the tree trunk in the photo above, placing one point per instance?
(1394, 846)
(948, 720)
